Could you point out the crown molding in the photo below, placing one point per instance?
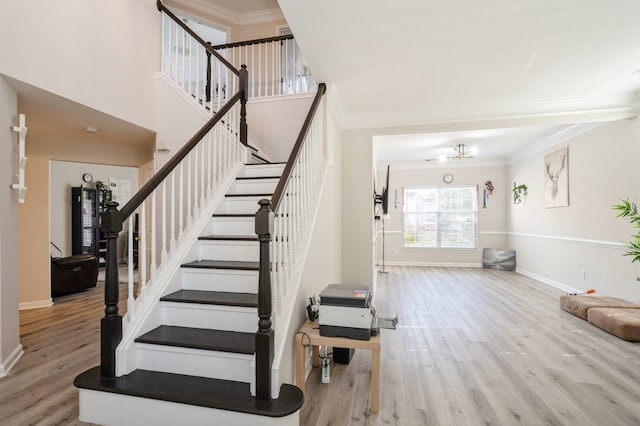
(452, 164)
(211, 9)
(594, 109)
(555, 139)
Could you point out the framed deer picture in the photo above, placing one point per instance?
(556, 178)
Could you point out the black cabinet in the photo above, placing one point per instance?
(85, 221)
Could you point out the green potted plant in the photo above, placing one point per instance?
(519, 193)
(629, 210)
(104, 192)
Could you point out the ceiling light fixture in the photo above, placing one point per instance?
(461, 153)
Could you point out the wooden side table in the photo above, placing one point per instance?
(309, 335)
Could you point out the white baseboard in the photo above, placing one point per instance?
(36, 304)
(548, 281)
(11, 360)
(436, 264)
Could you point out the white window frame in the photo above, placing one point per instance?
(438, 215)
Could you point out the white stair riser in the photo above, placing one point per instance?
(257, 186)
(232, 226)
(243, 205)
(220, 280)
(194, 362)
(231, 318)
(247, 251)
(262, 170)
(123, 410)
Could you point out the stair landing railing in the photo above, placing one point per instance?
(276, 65)
(167, 205)
(280, 226)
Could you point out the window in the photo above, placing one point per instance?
(441, 217)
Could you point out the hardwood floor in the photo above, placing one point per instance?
(59, 343)
(473, 347)
(478, 346)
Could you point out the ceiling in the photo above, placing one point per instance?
(498, 75)
(421, 66)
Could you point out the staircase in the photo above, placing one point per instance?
(196, 367)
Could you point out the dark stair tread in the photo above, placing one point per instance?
(229, 237)
(224, 298)
(223, 264)
(191, 390)
(256, 177)
(248, 195)
(272, 164)
(233, 215)
(201, 338)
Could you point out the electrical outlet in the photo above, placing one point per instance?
(583, 274)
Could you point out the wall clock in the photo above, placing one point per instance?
(87, 177)
(448, 178)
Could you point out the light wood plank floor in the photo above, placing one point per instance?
(476, 347)
(59, 343)
(473, 347)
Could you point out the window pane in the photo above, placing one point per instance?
(440, 217)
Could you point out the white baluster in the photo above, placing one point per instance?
(181, 204)
(142, 249)
(154, 238)
(130, 298)
(189, 189)
(163, 227)
(172, 205)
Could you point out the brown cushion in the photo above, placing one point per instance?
(624, 323)
(579, 305)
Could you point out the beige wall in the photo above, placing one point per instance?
(556, 244)
(491, 220)
(99, 54)
(33, 223)
(9, 320)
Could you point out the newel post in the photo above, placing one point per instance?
(264, 335)
(244, 86)
(111, 324)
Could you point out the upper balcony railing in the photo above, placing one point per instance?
(276, 65)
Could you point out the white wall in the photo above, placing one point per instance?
(64, 176)
(179, 118)
(274, 123)
(112, 47)
(10, 347)
(491, 220)
(556, 244)
(324, 258)
(357, 208)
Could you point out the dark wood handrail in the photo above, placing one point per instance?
(295, 152)
(256, 41)
(207, 46)
(157, 179)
